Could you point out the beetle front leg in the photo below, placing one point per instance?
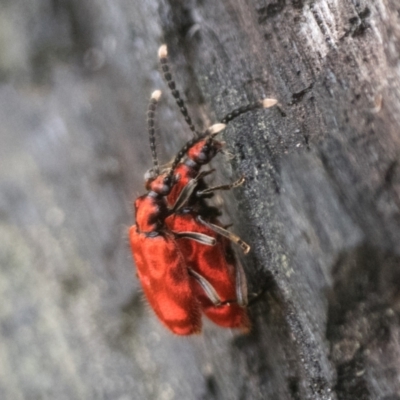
(187, 191)
(229, 186)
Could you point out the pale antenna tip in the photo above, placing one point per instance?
(163, 51)
(216, 128)
(267, 103)
(156, 95)
(246, 248)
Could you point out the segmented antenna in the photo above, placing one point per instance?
(162, 55)
(211, 131)
(155, 97)
(265, 103)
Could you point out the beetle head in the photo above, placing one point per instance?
(204, 151)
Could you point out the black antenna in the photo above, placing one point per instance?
(265, 103)
(212, 131)
(155, 97)
(162, 55)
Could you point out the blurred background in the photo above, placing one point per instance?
(320, 206)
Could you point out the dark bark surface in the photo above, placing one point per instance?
(320, 206)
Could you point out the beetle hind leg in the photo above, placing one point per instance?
(229, 235)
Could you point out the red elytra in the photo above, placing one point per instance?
(166, 277)
(160, 264)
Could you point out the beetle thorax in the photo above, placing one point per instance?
(161, 185)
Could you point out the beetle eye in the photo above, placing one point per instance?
(167, 180)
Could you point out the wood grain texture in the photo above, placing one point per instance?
(320, 205)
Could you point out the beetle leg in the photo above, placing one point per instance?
(228, 186)
(209, 289)
(241, 285)
(229, 235)
(196, 236)
(184, 196)
(187, 191)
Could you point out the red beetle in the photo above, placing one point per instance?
(161, 265)
(221, 282)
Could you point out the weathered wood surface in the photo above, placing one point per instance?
(320, 206)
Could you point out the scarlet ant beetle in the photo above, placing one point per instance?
(221, 288)
(160, 264)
